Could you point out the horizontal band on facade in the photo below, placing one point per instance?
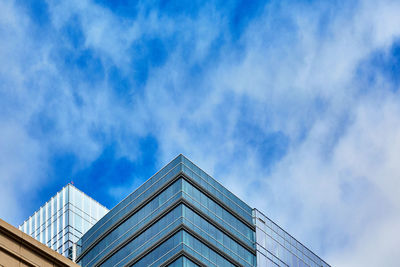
(182, 254)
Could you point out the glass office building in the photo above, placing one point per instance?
(183, 217)
(61, 221)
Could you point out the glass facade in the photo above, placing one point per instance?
(183, 262)
(275, 247)
(183, 217)
(63, 220)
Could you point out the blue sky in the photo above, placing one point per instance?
(294, 106)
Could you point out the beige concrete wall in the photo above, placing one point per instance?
(19, 249)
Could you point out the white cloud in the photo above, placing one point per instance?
(21, 162)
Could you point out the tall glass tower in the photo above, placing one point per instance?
(61, 221)
(183, 217)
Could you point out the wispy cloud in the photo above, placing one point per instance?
(294, 106)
